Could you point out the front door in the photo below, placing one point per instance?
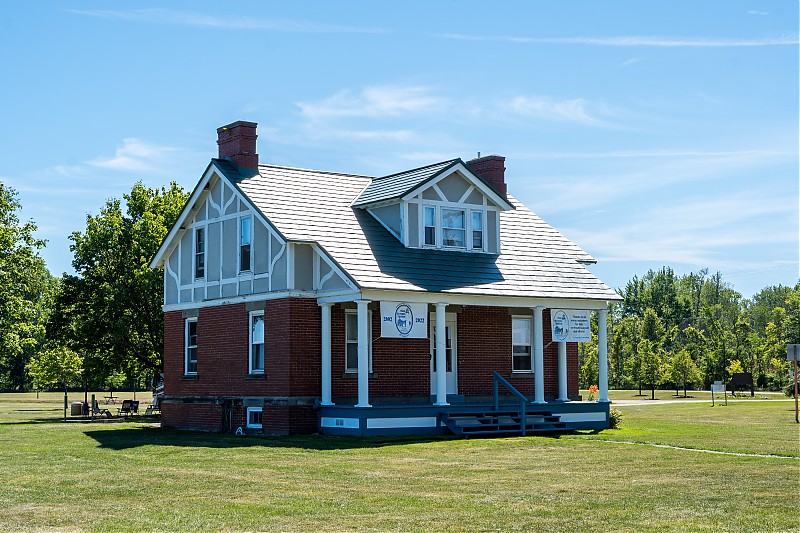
(451, 353)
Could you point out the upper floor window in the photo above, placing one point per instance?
(477, 230)
(521, 345)
(257, 342)
(199, 253)
(245, 238)
(430, 226)
(453, 228)
(190, 346)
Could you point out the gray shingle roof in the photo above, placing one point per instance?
(309, 205)
(397, 185)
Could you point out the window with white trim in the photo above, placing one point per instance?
(245, 239)
(477, 230)
(190, 346)
(200, 253)
(453, 228)
(257, 342)
(521, 347)
(254, 420)
(430, 225)
(351, 341)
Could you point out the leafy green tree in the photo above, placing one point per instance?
(651, 364)
(25, 290)
(111, 310)
(55, 365)
(683, 370)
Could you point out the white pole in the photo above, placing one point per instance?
(562, 372)
(363, 353)
(538, 356)
(602, 355)
(326, 354)
(441, 361)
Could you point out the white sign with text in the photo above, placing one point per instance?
(404, 320)
(570, 325)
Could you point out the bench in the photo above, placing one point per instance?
(128, 407)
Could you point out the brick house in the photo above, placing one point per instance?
(298, 301)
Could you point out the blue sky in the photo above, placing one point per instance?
(651, 133)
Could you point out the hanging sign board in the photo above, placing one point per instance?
(404, 320)
(793, 352)
(570, 325)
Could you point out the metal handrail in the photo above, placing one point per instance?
(498, 380)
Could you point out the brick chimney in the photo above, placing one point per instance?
(492, 169)
(237, 143)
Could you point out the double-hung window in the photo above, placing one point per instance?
(477, 230)
(453, 228)
(351, 342)
(199, 253)
(190, 346)
(257, 342)
(245, 238)
(521, 345)
(430, 225)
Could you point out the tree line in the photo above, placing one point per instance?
(688, 331)
(102, 326)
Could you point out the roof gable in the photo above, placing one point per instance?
(408, 184)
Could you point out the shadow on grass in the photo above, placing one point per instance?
(125, 439)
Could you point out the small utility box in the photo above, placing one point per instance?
(76, 408)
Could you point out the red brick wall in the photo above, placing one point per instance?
(401, 367)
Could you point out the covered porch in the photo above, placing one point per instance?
(460, 396)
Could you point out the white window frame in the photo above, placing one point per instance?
(254, 410)
(346, 342)
(250, 368)
(468, 211)
(425, 226)
(187, 347)
(197, 254)
(462, 229)
(529, 320)
(471, 238)
(249, 244)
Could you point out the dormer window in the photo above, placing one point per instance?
(477, 230)
(453, 228)
(430, 226)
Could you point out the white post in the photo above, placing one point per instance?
(363, 353)
(602, 355)
(326, 354)
(441, 360)
(562, 372)
(538, 356)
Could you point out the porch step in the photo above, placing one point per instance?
(501, 422)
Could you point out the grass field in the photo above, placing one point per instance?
(131, 476)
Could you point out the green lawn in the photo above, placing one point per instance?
(130, 476)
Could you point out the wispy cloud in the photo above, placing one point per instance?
(190, 18)
(757, 13)
(641, 40)
(655, 154)
(571, 110)
(372, 102)
(134, 155)
(694, 231)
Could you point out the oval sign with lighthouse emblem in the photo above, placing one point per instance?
(403, 319)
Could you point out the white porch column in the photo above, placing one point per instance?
(326, 354)
(363, 353)
(441, 355)
(562, 372)
(538, 356)
(602, 355)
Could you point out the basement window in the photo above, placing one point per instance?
(254, 420)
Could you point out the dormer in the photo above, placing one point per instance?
(450, 205)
